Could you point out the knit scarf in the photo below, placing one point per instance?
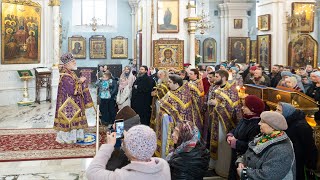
(269, 137)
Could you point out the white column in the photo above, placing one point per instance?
(191, 20)
(229, 12)
(55, 4)
(134, 8)
(192, 48)
(133, 32)
(278, 29)
(56, 30)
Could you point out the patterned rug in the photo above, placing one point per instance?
(40, 144)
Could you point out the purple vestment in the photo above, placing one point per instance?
(72, 99)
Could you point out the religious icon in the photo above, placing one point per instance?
(303, 50)
(238, 23)
(253, 50)
(119, 47)
(21, 32)
(303, 13)
(264, 22)
(77, 46)
(264, 50)
(168, 16)
(97, 47)
(24, 73)
(209, 50)
(239, 49)
(168, 53)
(197, 46)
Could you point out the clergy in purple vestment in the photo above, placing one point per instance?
(72, 99)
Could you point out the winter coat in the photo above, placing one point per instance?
(124, 96)
(141, 98)
(301, 135)
(272, 160)
(118, 158)
(314, 92)
(244, 132)
(190, 165)
(274, 80)
(157, 169)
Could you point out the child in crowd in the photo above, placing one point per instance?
(104, 85)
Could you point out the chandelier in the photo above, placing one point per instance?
(94, 23)
(204, 24)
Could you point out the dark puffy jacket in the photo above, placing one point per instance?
(118, 158)
(190, 165)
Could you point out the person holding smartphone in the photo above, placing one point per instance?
(118, 158)
(139, 144)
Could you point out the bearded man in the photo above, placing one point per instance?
(158, 92)
(72, 99)
(197, 94)
(226, 113)
(141, 95)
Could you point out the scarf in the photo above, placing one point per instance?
(269, 137)
(189, 135)
(126, 79)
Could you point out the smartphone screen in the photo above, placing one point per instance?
(119, 128)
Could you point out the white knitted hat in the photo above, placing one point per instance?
(141, 142)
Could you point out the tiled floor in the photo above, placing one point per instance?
(40, 116)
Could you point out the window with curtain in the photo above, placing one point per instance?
(105, 11)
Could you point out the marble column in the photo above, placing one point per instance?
(192, 21)
(55, 4)
(56, 31)
(134, 6)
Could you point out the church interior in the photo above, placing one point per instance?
(165, 35)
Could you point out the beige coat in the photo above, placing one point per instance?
(157, 169)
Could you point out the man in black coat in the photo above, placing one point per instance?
(301, 135)
(141, 95)
(275, 75)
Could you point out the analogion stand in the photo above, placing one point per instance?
(25, 101)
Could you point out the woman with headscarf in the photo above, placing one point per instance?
(301, 135)
(270, 155)
(125, 88)
(190, 159)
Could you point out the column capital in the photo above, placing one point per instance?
(192, 19)
(134, 4)
(54, 3)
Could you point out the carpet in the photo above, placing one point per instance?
(40, 144)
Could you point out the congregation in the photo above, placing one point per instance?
(180, 124)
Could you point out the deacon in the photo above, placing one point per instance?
(175, 106)
(72, 99)
(226, 114)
